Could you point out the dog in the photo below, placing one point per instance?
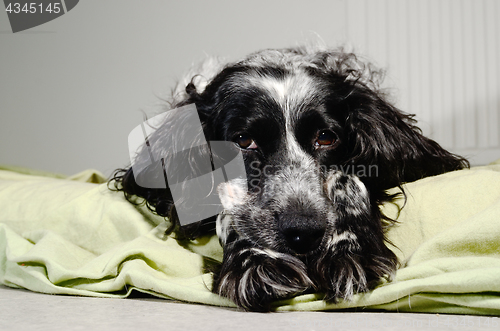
(321, 145)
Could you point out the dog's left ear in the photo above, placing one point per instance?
(381, 135)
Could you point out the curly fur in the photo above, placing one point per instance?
(308, 217)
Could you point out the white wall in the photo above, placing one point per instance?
(442, 56)
(72, 89)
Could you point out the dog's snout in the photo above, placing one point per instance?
(302, 234)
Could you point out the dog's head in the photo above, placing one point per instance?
(321, 144)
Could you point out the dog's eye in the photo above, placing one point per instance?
(325, 138)
(245, 141)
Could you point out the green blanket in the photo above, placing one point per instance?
(74, 236)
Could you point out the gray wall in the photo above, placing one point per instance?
(72, 89)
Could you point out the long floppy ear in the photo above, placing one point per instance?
(169, 166)
(379, 134)
(157, 197)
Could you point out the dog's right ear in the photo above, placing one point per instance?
(158, 201)
(168, 153)
(147, 178)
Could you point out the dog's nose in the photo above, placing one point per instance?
(301, 233)
(303, 241)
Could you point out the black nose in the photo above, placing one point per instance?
(302, 234)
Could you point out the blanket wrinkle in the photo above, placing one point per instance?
(72, 235)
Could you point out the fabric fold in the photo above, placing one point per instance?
(75, 236)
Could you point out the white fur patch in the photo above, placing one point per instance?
(232, 193)
(289, 92)
(346, 235)
(222, 227)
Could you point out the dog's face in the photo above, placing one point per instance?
(289, 136)
(321, 145)
(289, 123)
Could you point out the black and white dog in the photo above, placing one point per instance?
(321, 145)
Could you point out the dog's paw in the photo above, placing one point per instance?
(254, 277)
(345, 278)
(352, 274)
